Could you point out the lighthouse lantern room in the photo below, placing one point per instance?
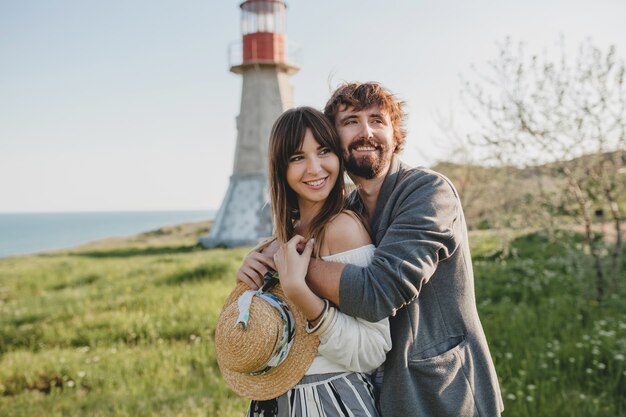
(263, 28)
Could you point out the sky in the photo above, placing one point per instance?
(129, 105)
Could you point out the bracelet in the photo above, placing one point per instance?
(321, 318)
(321, 312)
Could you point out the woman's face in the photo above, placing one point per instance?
(312, 171)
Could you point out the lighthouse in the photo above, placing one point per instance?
(244, 216)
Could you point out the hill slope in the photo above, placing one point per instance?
(125, 328)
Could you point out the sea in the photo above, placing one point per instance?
(28, 233)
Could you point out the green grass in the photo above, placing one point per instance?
(558, 351)
(126, 329)
(122, 331)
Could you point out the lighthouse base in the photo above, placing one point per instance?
(245, 215)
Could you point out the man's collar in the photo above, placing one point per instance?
(391, 180)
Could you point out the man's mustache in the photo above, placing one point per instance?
(365, 142)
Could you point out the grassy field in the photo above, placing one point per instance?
(125, 328)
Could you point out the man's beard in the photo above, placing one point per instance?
(370, 166)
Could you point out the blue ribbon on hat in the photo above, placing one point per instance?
(284, 345)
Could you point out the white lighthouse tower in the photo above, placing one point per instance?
(244, 216)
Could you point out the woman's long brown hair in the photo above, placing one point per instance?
(286, 140)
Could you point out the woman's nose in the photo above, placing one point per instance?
(313, 166)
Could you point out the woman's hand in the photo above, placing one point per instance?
(255, 265)
(292, 265)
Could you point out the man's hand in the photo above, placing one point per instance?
(255, 265)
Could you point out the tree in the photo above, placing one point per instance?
(564, 121)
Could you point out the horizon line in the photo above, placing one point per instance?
(108, 211)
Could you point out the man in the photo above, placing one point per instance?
(421, 275)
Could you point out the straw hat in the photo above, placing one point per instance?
(243, 355)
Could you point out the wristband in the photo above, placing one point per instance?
(321, 318)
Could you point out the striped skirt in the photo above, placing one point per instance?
(325, 395)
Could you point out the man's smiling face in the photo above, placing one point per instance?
(366, 139)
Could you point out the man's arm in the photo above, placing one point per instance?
(425, 228)
(324, 277)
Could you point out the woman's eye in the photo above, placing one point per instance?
(325, 151)
(295, 158)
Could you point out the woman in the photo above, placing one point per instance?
(307, 199)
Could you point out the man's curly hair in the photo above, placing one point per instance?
(361, 96)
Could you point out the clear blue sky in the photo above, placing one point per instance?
(129, 105)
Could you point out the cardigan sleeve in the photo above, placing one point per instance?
(356, 344)
(422, 230)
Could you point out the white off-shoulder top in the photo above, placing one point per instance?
(348, 343)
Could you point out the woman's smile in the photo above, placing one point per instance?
(312, 171)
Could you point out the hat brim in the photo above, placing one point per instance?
(285, 376)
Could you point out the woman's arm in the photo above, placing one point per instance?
(355, 344)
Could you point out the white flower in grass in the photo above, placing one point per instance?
(579, 345)
(550, 354)
(589, 371)
(81, 374)
(71, 383)
(508, 355)
(543, 365)
(618, 357)
(529, 398)
(601, 366)
(572, 359)
(582, 396)
(511, 396)
(530, 387)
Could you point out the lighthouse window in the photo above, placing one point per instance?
(262, 16)
(266, 16)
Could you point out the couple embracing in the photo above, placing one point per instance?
(375, 313)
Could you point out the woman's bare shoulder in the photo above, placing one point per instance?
(344, 232)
